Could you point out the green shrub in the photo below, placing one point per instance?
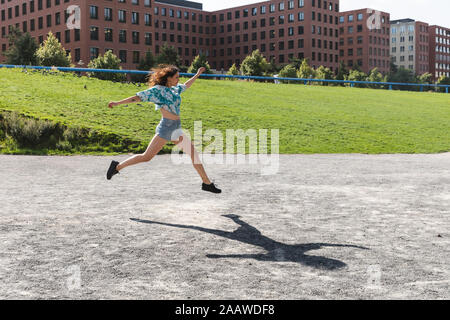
(255, 65)
(200, 61)
(288, 71)
(52, 53)
(324, 74)
(107, 61)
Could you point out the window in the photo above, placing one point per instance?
(123, 36)
(122, 16)
(108, 34)
(94, 33)
(134, 18)
(93, 12)
(123, 56)
(108, 14)
(93, 53)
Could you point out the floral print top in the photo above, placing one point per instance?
(164, 97)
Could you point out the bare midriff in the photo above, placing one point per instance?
(169, 115)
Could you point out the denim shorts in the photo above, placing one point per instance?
(169, 129)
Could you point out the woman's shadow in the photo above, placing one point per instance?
(276, 251)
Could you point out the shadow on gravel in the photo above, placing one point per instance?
(276, 251)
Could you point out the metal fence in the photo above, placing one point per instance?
(387, 85)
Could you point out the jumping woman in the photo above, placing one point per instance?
(164, 91)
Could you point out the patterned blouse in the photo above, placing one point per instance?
(164, 97)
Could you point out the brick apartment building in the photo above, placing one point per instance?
(410, 45)
(364, 39)
(280, 29)
(439, 51)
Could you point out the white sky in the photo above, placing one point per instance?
(430, 11)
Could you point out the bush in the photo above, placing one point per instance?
(288, 71)
(108, 61)
(443, 81)
(325, 74)
(52, 53)
(233, 71)
(29, 133)
(255, 65)
(200, 61)
(23, 51)
(375, 76)
(146, 64)
(305, 71)
(356, 75)
(168, 55)
(402, 76)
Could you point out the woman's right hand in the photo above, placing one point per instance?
(112, 104)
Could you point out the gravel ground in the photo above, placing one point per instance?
(324, 227)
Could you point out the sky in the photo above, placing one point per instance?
(430, 11)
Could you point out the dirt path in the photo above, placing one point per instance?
(325, 226)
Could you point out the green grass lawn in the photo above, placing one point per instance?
(311, 119)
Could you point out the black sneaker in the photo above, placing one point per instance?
(211, 188)
(112, 170)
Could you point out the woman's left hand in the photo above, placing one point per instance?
(201, 70)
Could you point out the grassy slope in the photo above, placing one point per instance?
(311, 119)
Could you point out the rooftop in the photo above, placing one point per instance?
(182, 3)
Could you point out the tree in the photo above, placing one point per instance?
(108, 61)
(13, 35)
(23, 51)
(305, 71)
(296, 62)
(168, 56)
(200, 61)
(233, 71)
(342, 73)
(375, 76)
(402, 76)
(393, 68)
(289, 71)
(426, 78)
(325, 74)
(145, 64)
(52, 53)
(443, 81)
(273, 68)
(356, 75)
(255, 65)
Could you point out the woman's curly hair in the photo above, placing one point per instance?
(160, 75)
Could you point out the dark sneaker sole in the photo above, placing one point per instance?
(112, 170)
(211, 189)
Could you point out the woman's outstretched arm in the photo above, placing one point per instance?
(191, 81)
(133, 99)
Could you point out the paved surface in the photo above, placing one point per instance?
(324, 226)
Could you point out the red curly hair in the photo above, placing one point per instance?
(160, 75)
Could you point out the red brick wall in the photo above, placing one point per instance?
(373, 49)
(439, 61)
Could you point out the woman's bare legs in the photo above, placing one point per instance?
(153, 148)
(187, 147)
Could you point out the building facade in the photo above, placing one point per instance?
(410, 45)
(439, 51)
(280, 29)
(364, 39)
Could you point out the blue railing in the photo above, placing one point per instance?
(389, 85)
